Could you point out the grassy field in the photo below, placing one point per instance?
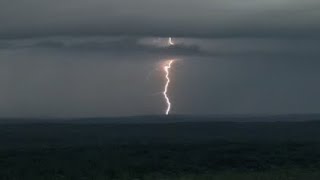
(206, 150)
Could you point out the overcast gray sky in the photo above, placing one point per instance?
(77, 58)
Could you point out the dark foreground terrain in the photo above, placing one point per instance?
(168, 150)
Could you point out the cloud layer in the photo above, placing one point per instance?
(188, 18)
(184, 47)
(79, 58)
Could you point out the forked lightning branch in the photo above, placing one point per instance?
(166, 69)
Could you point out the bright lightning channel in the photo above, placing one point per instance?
(166, 68)
(170, 42)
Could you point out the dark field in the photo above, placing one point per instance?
(177, 150)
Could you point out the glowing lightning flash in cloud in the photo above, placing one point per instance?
(170, 42)
(166, 68)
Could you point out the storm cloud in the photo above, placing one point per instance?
(184, 47)
(188, 18)
(76, 58)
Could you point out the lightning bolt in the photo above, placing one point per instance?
(166, 69)
(170, 42)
